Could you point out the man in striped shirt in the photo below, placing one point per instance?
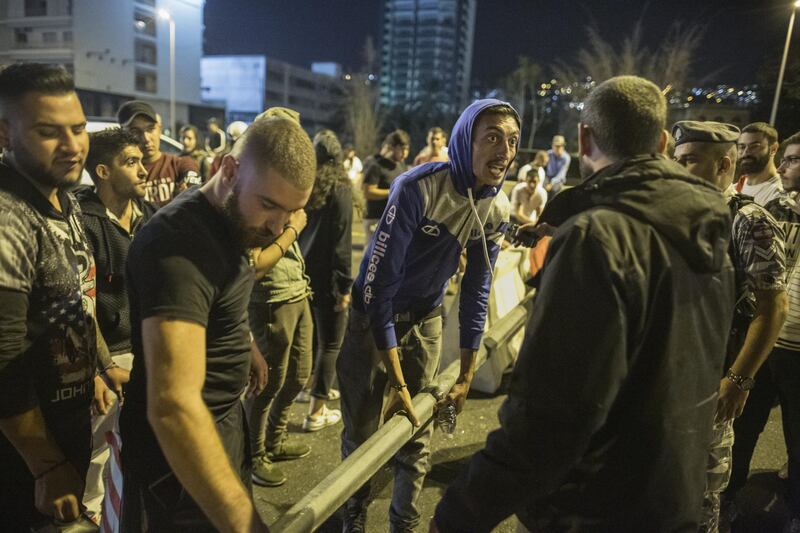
(782, 373)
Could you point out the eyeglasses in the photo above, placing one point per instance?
(791, 161)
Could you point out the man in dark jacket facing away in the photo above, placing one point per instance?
(112, 212)
(609, 414)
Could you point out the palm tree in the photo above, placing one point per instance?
(521, 82)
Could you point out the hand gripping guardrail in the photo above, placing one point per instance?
(333, 491)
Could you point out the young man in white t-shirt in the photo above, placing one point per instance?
(528, 199)
(757, 146)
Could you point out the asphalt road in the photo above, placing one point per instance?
(761, 500)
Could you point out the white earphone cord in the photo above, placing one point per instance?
(483, 233)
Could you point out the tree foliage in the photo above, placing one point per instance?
(520, 88)
(667, 64)
(362, 113)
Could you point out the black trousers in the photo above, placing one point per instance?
(785, 366)
(748, 427)
(155, 501)
(329, 329)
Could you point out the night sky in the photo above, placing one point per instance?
(740, 35)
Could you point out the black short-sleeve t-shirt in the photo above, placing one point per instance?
(380, 171)
(186, 264)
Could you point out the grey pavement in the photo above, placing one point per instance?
(761, 499)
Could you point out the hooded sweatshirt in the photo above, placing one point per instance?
(110, 242)
(427, 223)
(608, 420)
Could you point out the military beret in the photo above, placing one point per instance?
(695, 131)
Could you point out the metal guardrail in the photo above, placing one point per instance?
(334, 490)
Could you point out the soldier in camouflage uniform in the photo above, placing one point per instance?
(708, 150)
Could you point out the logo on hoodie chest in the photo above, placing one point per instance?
(432, 230)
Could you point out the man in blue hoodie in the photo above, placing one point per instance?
(434, 212)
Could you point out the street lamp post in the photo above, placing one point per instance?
(777, 98)
(165, 15)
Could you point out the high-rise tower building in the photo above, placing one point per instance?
(427, 52)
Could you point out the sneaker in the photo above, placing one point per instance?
(267, 474)
(355, 522)
(729, 512)
(328, 417)
(304, 396)
(288, 451)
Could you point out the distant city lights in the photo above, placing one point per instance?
(553, 92)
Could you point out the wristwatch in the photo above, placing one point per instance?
(743, 382)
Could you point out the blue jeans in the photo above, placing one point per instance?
(364, 383)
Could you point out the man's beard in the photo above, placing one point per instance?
(248, 236)
(754, 166)
(25, 163)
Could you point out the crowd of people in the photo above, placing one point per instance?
(157, 326)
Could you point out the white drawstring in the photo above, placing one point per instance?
(483, 233)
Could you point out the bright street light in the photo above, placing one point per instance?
(163, 14)
(777, 98)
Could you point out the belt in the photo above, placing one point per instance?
(412, 317)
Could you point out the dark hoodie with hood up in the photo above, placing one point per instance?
(609, 415)
(110, 243)
(427, 222)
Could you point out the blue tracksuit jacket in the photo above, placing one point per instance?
(426, 225)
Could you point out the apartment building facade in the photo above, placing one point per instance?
(116, 49)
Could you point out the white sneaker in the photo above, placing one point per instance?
(304, 396)
(328, 417)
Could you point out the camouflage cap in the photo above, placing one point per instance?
(695, 131)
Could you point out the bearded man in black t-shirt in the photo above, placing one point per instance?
(185, 460)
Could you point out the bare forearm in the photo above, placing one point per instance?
(266, 258)
(29, 436)
(761, 336)
(191, 444)
(104, 359)
(391, 360)
(468, 361)
(523, 218)
(374, 193)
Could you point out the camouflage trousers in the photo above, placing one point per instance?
(718, 473)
